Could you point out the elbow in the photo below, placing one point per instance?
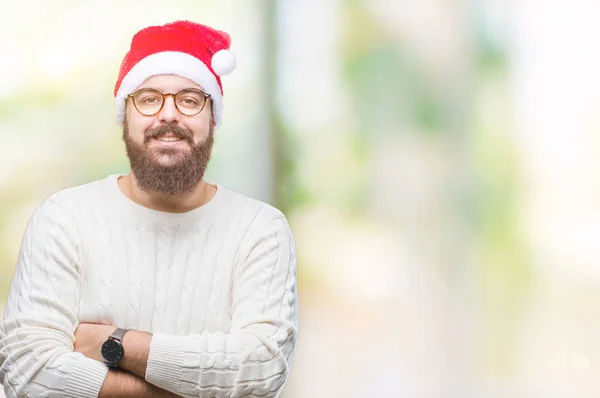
(17, 373)
(254, 379)
(265, 380)
(23, 360)
(13, 384)
(267, 369)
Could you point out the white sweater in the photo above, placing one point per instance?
(216, 287)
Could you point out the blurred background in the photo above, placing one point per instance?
(438, 160)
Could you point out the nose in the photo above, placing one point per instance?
(169, 113)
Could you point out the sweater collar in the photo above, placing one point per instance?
(125, 202)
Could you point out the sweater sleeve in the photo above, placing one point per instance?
(254, 359)
(37, 332)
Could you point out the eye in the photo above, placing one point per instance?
(189, 101)
(150, 100)
(148, 97)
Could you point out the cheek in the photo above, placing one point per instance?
(136, 121)
(135, 133)
(138, 127)
(200, 129)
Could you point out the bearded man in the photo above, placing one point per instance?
(155, 283)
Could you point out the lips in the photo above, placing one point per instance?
(168, 141)
(168, 138)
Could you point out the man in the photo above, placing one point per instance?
(155, 283)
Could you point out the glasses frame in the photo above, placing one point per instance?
(165, 95)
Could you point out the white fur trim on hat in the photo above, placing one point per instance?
(170, 63)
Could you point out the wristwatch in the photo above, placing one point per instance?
(112, 349)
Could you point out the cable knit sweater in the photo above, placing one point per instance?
(216, 286)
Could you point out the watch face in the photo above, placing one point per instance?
(112, 351)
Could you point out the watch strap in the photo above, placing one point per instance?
(118, 334)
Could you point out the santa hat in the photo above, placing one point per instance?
(187, 49)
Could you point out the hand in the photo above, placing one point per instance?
(89, 338)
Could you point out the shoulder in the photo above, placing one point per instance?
(64, 208)
(72, 200)
(258, 212)
(263, 224)
(56, 217)
(85, 191)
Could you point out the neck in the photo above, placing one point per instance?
(201, 195)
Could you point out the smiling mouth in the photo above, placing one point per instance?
(167, 140)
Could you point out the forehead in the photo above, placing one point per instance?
(168, 83)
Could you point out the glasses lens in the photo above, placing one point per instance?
(190, 102)
(148, 101)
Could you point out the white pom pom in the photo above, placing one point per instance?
(223, 62)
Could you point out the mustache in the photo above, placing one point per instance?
(177, 131)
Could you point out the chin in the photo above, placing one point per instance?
(167, 160)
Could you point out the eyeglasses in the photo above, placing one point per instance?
(150, 101)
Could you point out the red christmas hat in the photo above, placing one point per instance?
(187, 49)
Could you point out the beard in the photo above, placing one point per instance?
(185, 168)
